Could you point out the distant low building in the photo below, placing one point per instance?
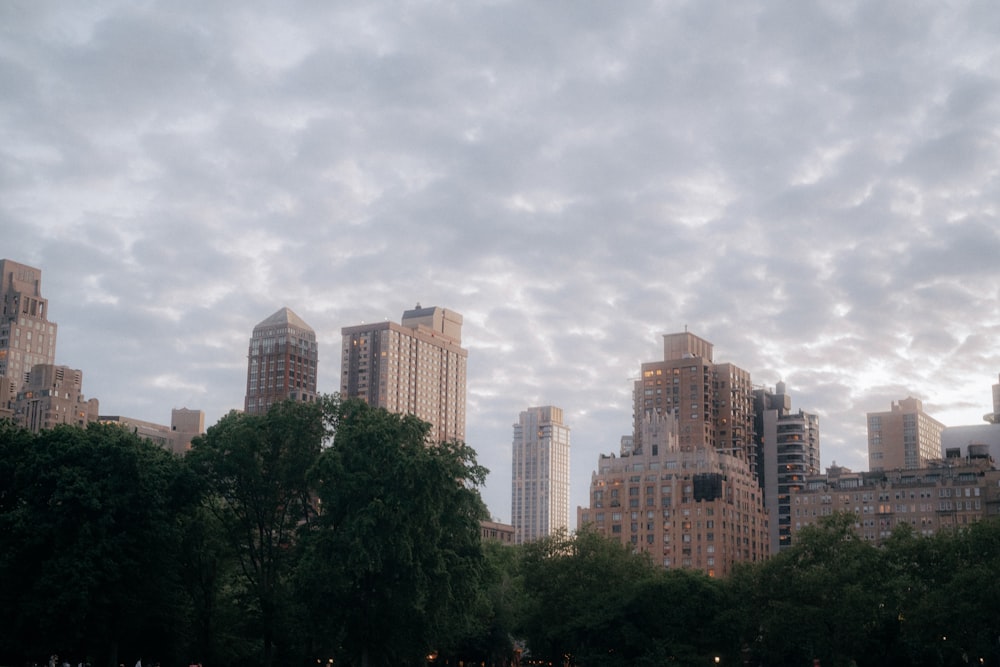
(947, 493)
(494, 531)
(694, 507)
(976, 436)
(185, 425)
(8, 394)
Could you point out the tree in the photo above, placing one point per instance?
(394, 557)
(489, 635)
(88, 544)
(591, 580)
(825, 597)
(674, 616)
(255, 469)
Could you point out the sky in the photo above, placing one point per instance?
(814, 187)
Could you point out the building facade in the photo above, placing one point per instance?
(416, 367)
(788, 446)
(540, 474)
(27, 337)
(944, 495)
(53, 395)
(905, 437)
(693, 507)
(185, 426)
(711, 403)
(494, 531)
(974, 436)
(281, 362)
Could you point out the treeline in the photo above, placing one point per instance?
(920, 601)
(331, 534)
(315, 533)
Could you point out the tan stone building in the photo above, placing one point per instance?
(905, 437)
(27, 337)
(494, 531)
(53, 395)
(945, 494)
(690, 506)
(712, 403)
(185, 426)
(416, 367)
(281, 362)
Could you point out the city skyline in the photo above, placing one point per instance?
(811, 188)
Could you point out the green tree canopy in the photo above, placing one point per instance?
(89, 544)
(255, 470)
(394, 559)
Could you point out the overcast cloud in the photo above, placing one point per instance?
(812, 186)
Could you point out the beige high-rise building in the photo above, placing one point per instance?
(53, 395)
(281, 362)
(712, 403)
(416, 367)
(693, 507)
(539, 474)
(27, 337)
(905, 437)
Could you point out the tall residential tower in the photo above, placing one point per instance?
(905, 437)
(788, 443)
(711, 403)
(540, 474)
(416, 367)
(27, 337)
(281, 362)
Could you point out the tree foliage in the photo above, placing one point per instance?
(592, 600)
(336, 530)
(394, 559)
(255, 469)
(89, 537)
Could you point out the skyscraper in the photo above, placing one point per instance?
(712, 403)
(281, 362)
(416, 367)
(789, 451)
(905, 437)
(693, 507)
(27, 337)
(540, 474)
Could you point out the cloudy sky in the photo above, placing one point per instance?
(812, 186)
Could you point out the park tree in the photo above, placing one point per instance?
(677, 616)
(89, 545)
(825, 597)
(946, 594)
(255, 472)
(393, 561)
(489, 637)
(578, 591)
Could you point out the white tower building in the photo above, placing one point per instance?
(540, 474)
